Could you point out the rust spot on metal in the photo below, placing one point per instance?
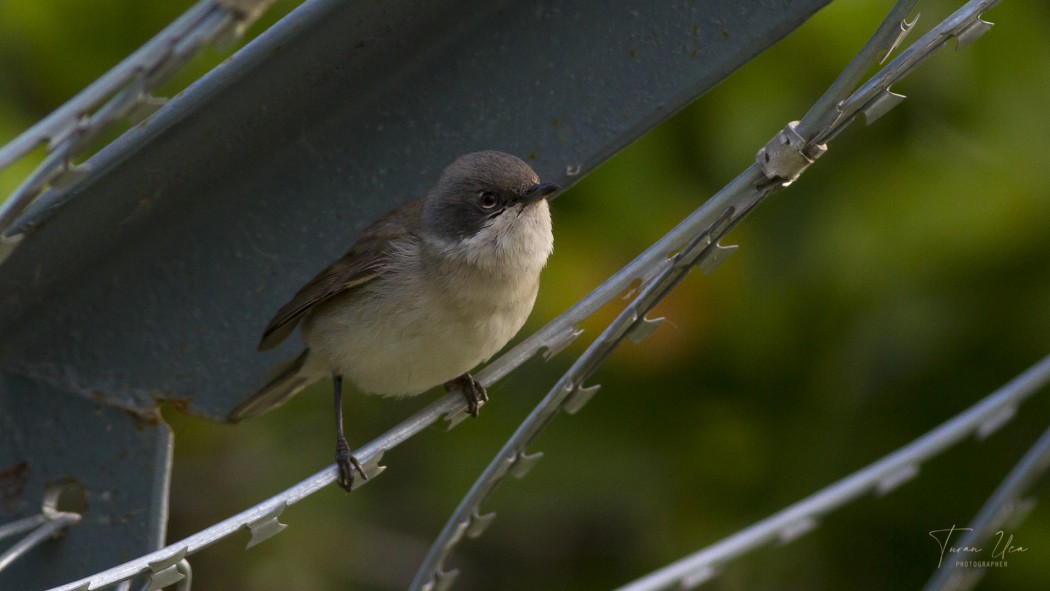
(141, 420)
(13, 480)
(180, 404)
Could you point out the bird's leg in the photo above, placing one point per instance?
(343, 458)
(472, 390)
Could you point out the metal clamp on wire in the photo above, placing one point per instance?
(787, 155)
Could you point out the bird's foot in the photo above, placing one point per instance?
(472, 390)
(347, 463)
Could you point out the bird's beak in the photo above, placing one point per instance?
(541, 191)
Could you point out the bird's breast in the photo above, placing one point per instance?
(420, 324)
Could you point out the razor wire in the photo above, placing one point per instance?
(693, 241)
(777, 165)
(122, 93)
(881, 477)
(1006, 505)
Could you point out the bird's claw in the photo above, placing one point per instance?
(347, 463)
(472, 390)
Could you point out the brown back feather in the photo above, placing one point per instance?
(357, 267)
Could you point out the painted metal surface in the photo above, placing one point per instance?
(153, 277)
(121, 461)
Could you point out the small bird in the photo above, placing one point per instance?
(428, 292)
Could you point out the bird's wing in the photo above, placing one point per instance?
(357, 267)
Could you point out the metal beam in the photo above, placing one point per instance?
(152, 277)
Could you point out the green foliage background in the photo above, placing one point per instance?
(905, 276)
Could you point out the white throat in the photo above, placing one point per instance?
(516, 242)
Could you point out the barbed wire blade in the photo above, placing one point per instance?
(146, 106)
(456, 417)
(972, 32)
(895, 479)
(880, 105)
(457, 535)
(68, 175)
(122, 103)
(580, 397)
(228, 35)
(266, 526)
(826, 111)
(558, 343)
(522, 463)
(906, 28)
(443, 580)
(63, 133)
(995, 421)
(246, 12)
(165, 571)
(641, 329)
(715, 256)
(371, 468)
(797, 529)
(212, 25)
(479, 523)
(697, 578)
(648, 274)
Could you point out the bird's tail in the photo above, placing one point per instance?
(281, 384)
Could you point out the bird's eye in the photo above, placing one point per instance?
(487, 199)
